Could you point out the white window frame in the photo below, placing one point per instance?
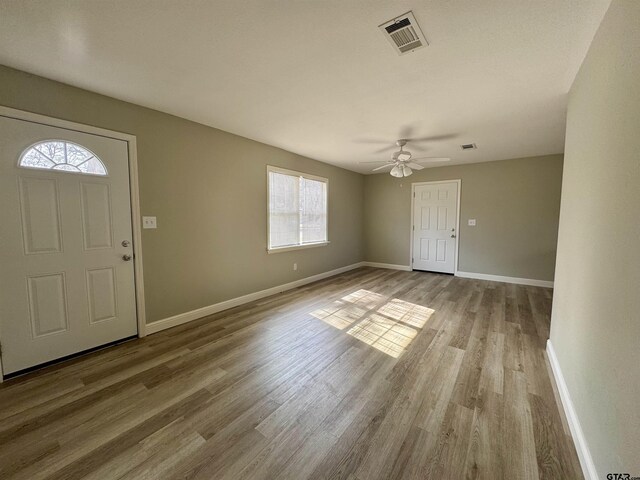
(308, 176)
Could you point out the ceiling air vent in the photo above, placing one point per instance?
(404, 33)
(468, 146)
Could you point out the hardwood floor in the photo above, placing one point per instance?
(373, 374)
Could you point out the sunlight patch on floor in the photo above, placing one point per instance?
(384, 334)
(364, 298)
(389, 327)
(407, 312)
(340, 316)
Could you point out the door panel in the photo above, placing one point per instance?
(96, 215)
(47, 304)
(64, 285)
(424, 249)
(435, 221)
(425, 218)
(39, 207)
(441, 250)
(101, 288)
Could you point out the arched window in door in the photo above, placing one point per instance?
(62, 156)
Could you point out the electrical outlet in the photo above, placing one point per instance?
(295, 266)
(472, 222)
(149, 222)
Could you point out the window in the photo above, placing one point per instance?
(297, 209)
(62, 155)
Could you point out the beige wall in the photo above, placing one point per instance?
(595, 326)
(208, 190)
(515, 203)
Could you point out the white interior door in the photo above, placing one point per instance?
(67, 276)
(435, 220)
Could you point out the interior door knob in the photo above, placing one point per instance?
(453, 236)
(126, 258)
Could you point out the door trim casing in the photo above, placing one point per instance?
(413, 192)
(133, 189)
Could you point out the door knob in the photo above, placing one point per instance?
(126, 258)
(453, 236)
(125, 243)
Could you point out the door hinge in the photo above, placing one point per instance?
(413, 227)
(412, 260)
(414, 194)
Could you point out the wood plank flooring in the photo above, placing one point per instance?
(372, 374)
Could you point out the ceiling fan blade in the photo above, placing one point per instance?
(386, 149)
(418, 147)
(374, 141)
(376, 161)
(431, 159)
(432, 138)
(415, 166)
(383, 166)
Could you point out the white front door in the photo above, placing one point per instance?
(66, 275)
(435, 220)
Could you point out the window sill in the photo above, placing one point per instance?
(297, 247)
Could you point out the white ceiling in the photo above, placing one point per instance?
(317, 77)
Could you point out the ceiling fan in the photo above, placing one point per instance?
(401, 162)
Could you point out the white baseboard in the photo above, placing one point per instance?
(586, 462)
(499, 278)
(181, 318)
(390, 266)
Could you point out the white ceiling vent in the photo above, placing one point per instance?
(404, 33)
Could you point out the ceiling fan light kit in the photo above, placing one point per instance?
(400, 171)
(396, 172)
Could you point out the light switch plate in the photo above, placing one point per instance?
(472, 222)
(149, 222)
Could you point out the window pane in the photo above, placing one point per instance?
(284, 210)
(297, 210)
(62, 156)
(313, 223)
